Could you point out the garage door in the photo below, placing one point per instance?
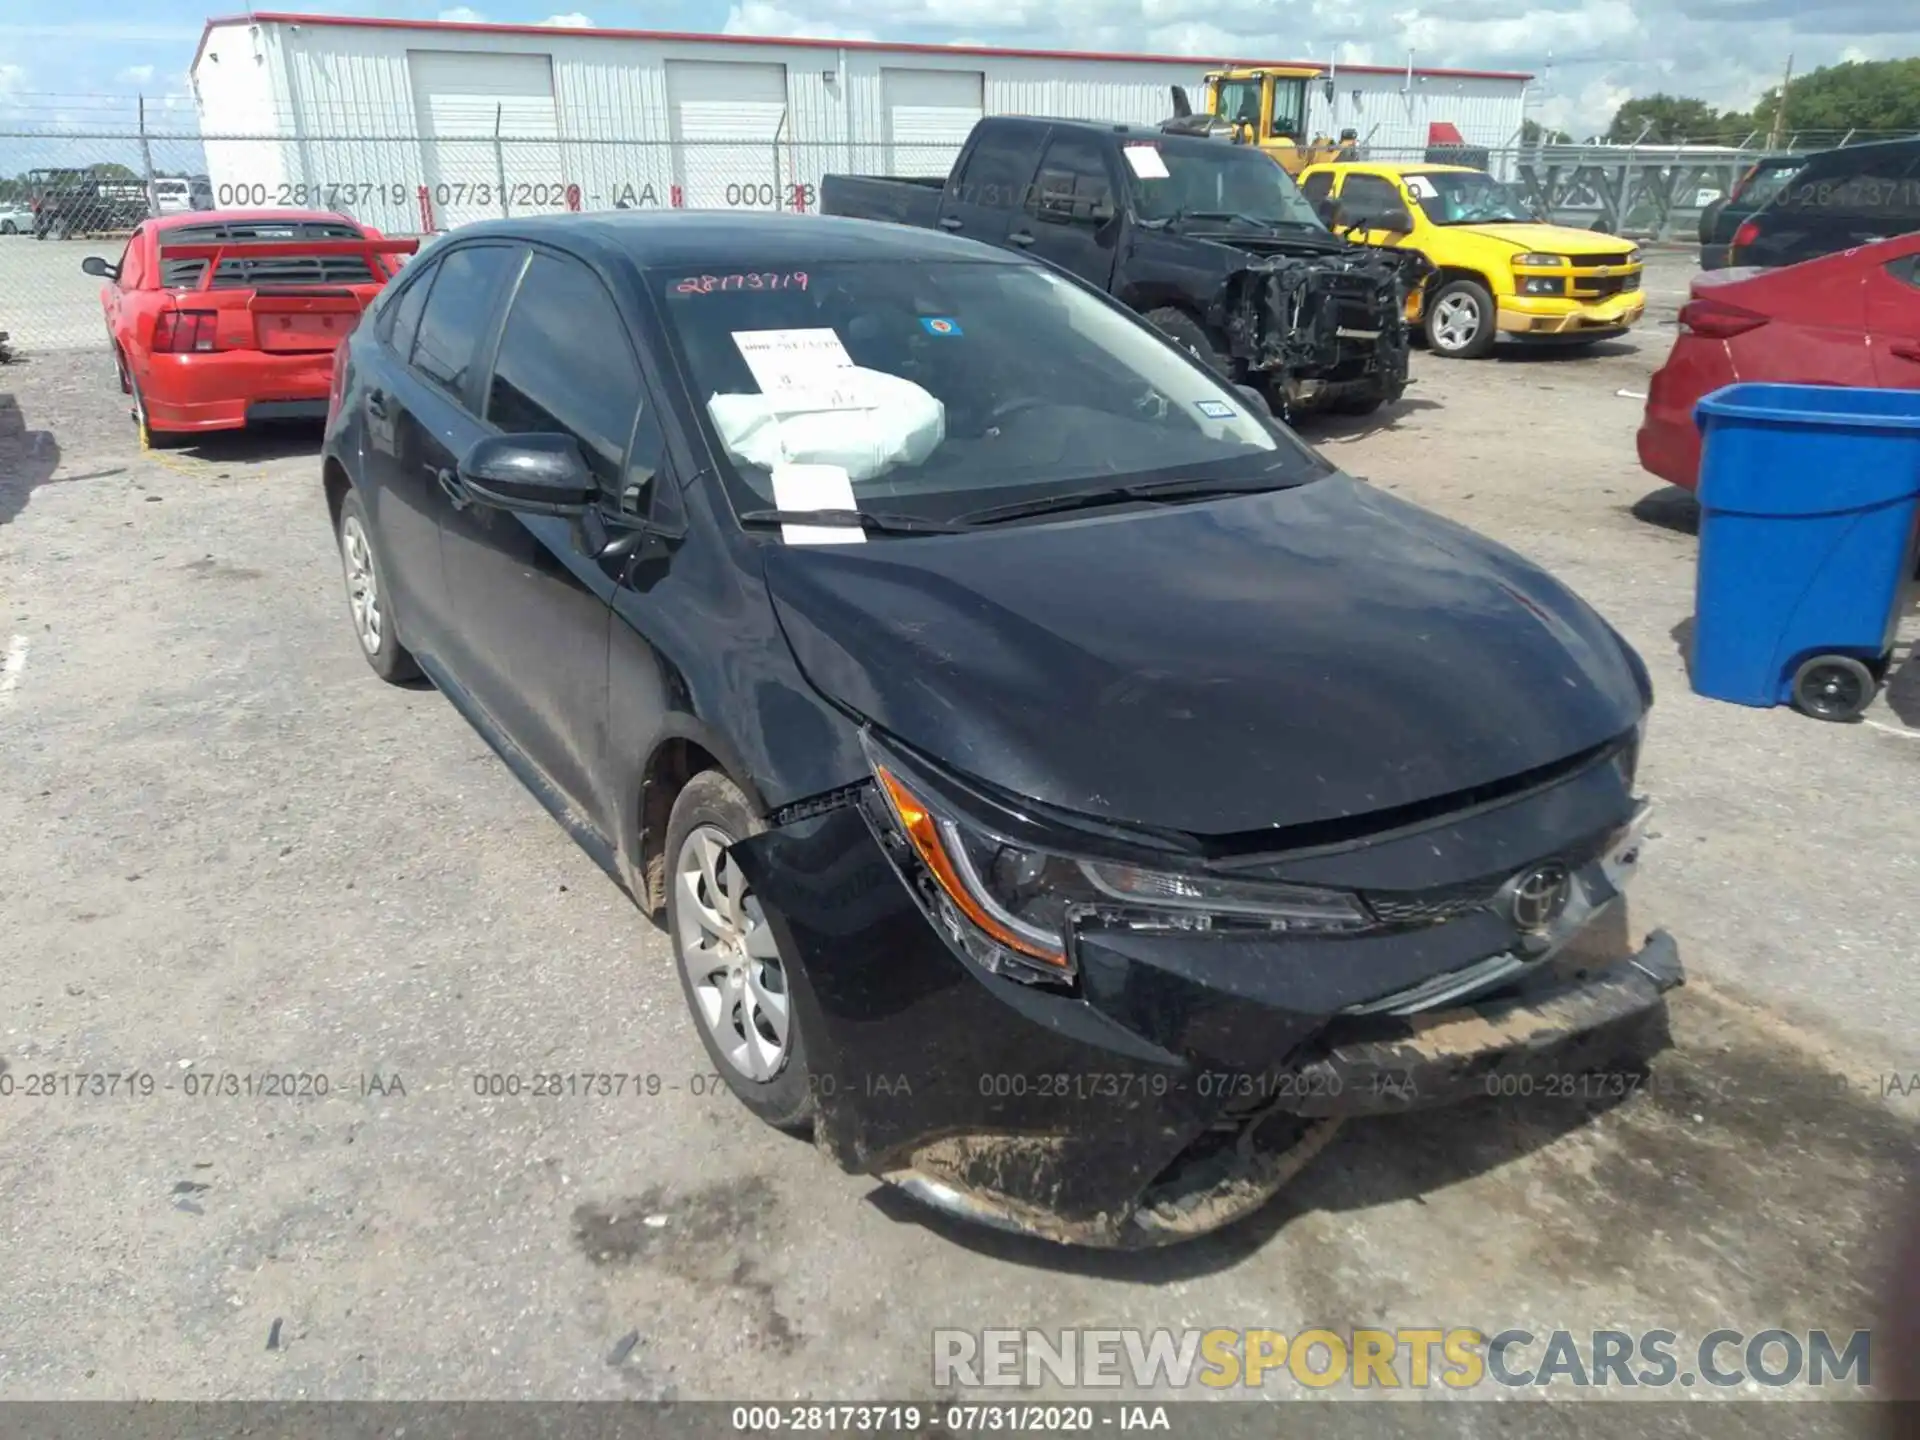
(726, 121)
(462, 99)
(929, 113)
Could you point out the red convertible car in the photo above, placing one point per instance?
(218, 319)
(1851, 318)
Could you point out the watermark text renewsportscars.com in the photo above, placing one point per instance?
(1402, 1358)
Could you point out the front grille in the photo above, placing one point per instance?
(1432, 907)
(1599, 287)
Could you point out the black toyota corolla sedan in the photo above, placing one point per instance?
(1067, 795)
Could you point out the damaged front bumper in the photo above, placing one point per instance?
(1336, 320)
(1184, 1079)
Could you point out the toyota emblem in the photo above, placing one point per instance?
(1539, 896)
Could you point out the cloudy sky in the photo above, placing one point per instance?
(1590, 54)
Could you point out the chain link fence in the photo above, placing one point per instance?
(71, 195)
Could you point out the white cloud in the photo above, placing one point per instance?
(136, 75)
(572, 20)
(463, 15)
(1588, 54)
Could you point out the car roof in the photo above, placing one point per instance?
(253, 217)
(1870, 149)
(734, 241)
(1389, 167)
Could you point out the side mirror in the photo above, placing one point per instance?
(1328, 212)
(531, 474)
(94, 265)
(1396, 221)
(1260, 403)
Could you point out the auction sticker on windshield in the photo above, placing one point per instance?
(1145, 161)
(1421, 188)
(815, 487)
(1214, 409)
(786, 361)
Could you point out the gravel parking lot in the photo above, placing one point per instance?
(224, 847)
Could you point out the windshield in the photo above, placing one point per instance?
(1465, 197)
(1210, 178)
(936, 389)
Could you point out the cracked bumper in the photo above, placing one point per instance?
(1183, 1081)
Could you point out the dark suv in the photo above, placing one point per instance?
(1718, 222)
(1065, 792)
(1837, 200)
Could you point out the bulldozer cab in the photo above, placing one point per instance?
(1265, 107)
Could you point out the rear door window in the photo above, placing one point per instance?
(566, 366)
(459, 311)
(400, 321)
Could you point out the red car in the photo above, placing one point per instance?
(219, 318)
(1852, 318)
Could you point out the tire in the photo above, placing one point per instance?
(1191, 335)
(1465, 311)
(758, 1047)
(7, 227)
(150, 439)
(1834, 687)
(374, 623)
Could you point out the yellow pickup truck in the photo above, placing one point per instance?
(1497, 271)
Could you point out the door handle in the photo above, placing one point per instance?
(949, 222)
(1021, 238)
(1907, 351)
(377, 405)
(455, 491)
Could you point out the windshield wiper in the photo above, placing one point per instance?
(1119, 495)
(884, 522)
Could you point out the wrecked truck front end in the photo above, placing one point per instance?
(1318, 326)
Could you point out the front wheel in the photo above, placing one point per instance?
(7, 227)
(730, 965)
(1460, 321)
(1190, 335)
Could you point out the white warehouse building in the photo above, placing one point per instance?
(423, 125)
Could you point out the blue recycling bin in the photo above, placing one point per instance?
(1809, 497)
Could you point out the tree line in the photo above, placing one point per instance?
(1868, 98)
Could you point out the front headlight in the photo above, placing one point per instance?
(1633, 258)
(1535, 259)
(1016, 907)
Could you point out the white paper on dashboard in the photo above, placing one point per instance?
(1421, 188)
(815, 487)
(783, 361)
(1145, 161)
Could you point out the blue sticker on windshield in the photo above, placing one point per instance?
(939, 325)
(1214, 409)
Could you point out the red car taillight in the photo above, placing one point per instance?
(1746, 235)
(178, 332)
(338, 388)
(1717, 320)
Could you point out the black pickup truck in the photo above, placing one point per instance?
(1212, 242)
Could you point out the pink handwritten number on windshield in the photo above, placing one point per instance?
(725, 284)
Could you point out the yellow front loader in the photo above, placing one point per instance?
(1265, 107)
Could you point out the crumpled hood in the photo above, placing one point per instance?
(1550, 239)
(1213, 667)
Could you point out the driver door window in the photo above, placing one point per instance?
(566, 366)
(1072, 201)
(1364, 200)
(1073, 184)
